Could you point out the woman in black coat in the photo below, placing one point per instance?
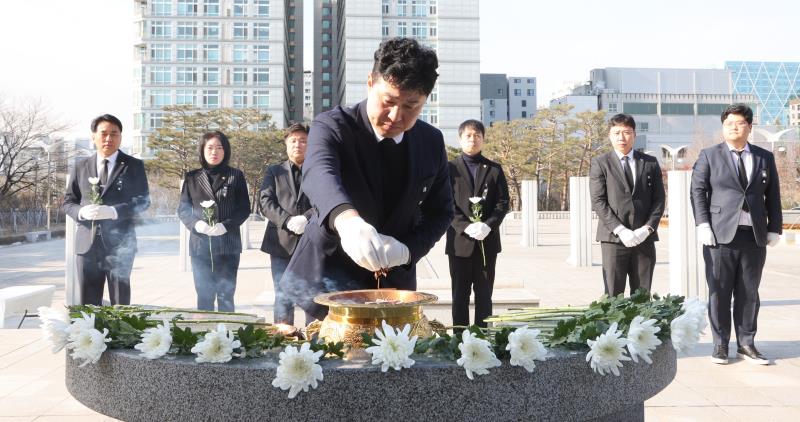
(214, 203)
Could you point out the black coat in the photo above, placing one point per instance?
(490, 184)
(127, 192)
(232, 209)
(612, 199)
(279, 201)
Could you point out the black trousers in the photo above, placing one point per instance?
(466, 275)
(635, 264)
(283, 309)
(100, 264)
(733, 271)
(219, 284)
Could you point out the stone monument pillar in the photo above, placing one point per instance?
(580, 222)
(686, 266)
(530, 213)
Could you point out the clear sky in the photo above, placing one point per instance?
(77, 56)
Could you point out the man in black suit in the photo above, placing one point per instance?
(736, 200)
(628, 196)
(480, 193)
(378, 181)
(287, 210)
(106, 191)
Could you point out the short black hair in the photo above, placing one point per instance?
(295, 127)
(622, 119)
(476, 125)
(739, 108)
(226, 147)
(105, 118)
(406, 64)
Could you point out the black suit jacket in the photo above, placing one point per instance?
(232, 209)
(342, 167)
(612, 199)
(127, 191)
(491, 185)
(279, 200)
(717, 196)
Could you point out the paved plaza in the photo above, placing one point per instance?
(32, 378)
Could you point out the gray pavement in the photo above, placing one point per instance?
(32, 378)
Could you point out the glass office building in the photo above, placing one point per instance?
(772, 83)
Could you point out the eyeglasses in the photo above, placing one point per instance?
(739, 124)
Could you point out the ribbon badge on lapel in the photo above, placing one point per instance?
(764, 177)
(649, 181)
(225, 187)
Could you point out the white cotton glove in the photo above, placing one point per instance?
(628, 238)
(773, 239)
(396, 252)
(297, 224)
(482, 230)
(706, 235)
(471, 230)
(202, 227)
(217, 230)
(361, 242)
(88, 212)
(641, 234)
(105, 212)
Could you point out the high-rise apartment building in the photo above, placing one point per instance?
(794, 112)
(772, 83)
(507, 97)
(308, 96)
(348, 32)
(216, 54)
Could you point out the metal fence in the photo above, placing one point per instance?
(13, 222)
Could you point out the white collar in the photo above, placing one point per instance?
(732, 149)
(112, 159)
(397, 139)
(629, 155)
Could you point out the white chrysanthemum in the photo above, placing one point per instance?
(525, 348)
(82, 323)
(298, 369)
(697, 311)
(156, 341)
(642, 338)
(55, 326)
(393, 348)
(86, 343)
(94, 180)
(475, 199)
(217, 346)
(476, 355)
(608, 351)
(684, 332)
(207, 204)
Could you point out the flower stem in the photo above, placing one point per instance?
(483, 253)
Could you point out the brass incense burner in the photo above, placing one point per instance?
(351, 313)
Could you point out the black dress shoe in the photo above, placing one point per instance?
(750, 353)
(720, 354)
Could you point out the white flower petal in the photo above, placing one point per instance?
(607, 351)
(217, 346)
(156, 341)
(298, 369)
(525, 348)
(207, 204)
(393, 348)
(642, 338)
(476, 355)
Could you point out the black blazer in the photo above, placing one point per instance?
(612, 199)
(127, 192)
(717, 196)
(491, 185)
(279, 201)
(342, 167)
(232, 209)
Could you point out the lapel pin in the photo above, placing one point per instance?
(424, 189)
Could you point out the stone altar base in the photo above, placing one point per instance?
(127, 387)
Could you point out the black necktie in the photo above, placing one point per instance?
(104, 174)
(628, 172)
(742, 178)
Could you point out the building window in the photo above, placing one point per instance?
(211, 30)
(432, 30)
(517, 92)
(185, 76)
(156, 120)
(419, 29)
(326, 63)
(160, 98)
(491, 103)
(524, 114)
(239, 7)
(161, 52)
(531, 92)
(240, 76)
(326, 89)
(499, 91)
(643, 127)
(160, 75)
(419, 7)
(401, 7)
(211, 52)
(240, 31)
(187, 7)
(239, 53)
(160, 29)
(326, 11)
(434, 97)
(711, 109)
(517, 80)
(326, 50)
(187, 30)
(261, 53)
(677, 109)
(432, 7)
(326, 24)
(261, 76)
(161, 7)
(262, 8)
(612, 107)
(401, 29)
(210, 98)
(261, 99)
(385, 29)
(385, 7)
(326, 102)
(530, 81)
(326, 76)
(211, 75)
(430, 115)
(524, 104)
(186, 53)
(639, 108)
(211, 8)
(184, 97)
(261, 31)
(326, 36)
(491, 113)
(239, 99)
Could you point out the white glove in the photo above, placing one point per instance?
(641, 234)
(482, 230)
(705, 235)
(105, 212)
(217, 230)
(396, 252)
(361, 242)
(297, 224)
(88, 212)
(202, 227)
(773, 239)
(628, 238)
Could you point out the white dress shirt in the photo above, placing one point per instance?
(744, 217)
(631, 163)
